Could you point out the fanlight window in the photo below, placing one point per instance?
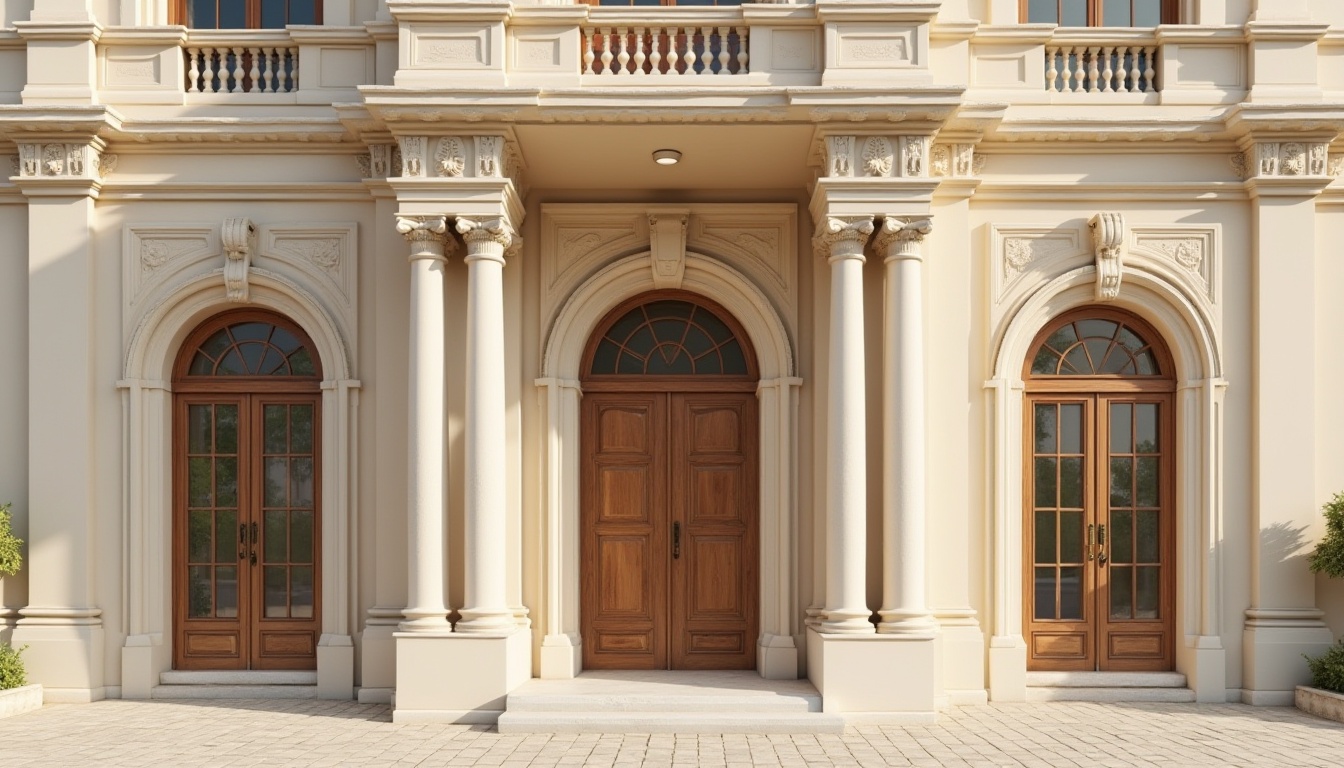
(1095, 347)
(252, 348)
(669, 337)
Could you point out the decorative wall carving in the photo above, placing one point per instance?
(838, 152)
(489, 161)
(1190, 249)
(155, 254)
(412, 155)
(877, 157)
(58, 160)
(1238, 163)
(914, 155)
(107, 164)
(1286, 159)
(1108, 238)
(955, 160)
(318, 254)
(365, 163)
(450, 159)
(236, 235)
(667, 247)
(483, 156)
(1020, 252)
(380, 161)
(1336, 166)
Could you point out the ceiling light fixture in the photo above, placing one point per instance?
(666, 156)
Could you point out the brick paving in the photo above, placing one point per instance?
(325, 733)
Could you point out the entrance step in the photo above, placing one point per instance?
(667, 702)
(1168, 687)
(242, 684)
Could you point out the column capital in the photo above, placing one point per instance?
(488, 238)
(899, 237)
(843, 238)
(428, 236)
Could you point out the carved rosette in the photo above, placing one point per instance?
(482, 157)
(236, 236)
(843, 238)
(428, 236)
(900, 237)
(488, 238)
(1108, 237)
(877, 157)
(450, 159)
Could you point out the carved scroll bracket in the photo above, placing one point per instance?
(1108, 237)
(237, 236)
(667, 244)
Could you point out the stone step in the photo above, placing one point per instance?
(238, 677)
(728, 703)
(1105, 680)
(513, 722)
(234, 692)
(1161, 695)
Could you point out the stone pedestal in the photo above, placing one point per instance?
(874, 679)
(457, 677)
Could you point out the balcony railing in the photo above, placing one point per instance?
(241, 68)
(666, 51)
(1092, 68)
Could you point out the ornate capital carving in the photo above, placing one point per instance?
(237, 238)
(428, 235)
(900, 236)
(843, 238)
(1108, 236)
(488, 238)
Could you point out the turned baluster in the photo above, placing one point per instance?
(655, 53)
(688, 58)
(623, 60)
(743, 59)
(640, 56)
(608, 40)
(1150, 73)
(1051, 71)
(1107, 67)
(194, 74)
(589, 37)
(722, 33)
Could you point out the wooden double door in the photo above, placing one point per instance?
(246, 533)
(669, 530)
(1100, 532)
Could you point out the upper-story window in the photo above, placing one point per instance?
(662, 2)
(247, 14)
(1101, 13)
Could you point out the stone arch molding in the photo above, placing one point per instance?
(1187, 324)
(777, 392)
(172, 313)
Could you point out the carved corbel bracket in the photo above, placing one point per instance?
(1108, 237)
(237, 236)
(667, 244)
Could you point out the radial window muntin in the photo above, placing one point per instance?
(1097, 343)
(248, 345)
(669, 334)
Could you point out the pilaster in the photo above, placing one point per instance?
(62, 54)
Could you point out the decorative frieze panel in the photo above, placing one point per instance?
(484, 157)
(58, 161)
(876, 156)
(154, 254)
(955, 161)
(1189, 253)
(1287, 158)
(1022, 251)
(321, 255)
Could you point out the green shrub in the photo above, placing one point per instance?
(11, 668)
(1328, 557)
(11, 546)
(1327, 670)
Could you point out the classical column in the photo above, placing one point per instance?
(485, 604)
(904, 599)
(846, 611)
(426, 609)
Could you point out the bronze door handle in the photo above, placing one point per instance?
(676, 541)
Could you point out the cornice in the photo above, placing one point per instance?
(1287, 186)
(1191, 33)
(1285, 31)
(382, 29)
(543, 15)
(166, 35)
(318, 34)
(1070, 190)
(158, 190)
(1024, 34)
(458, 10)
(81, 31)
(58, 186)
(1255, 118)
(954, 30)
(868, 12)
(58, 123)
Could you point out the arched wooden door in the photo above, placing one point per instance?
(246, 505)
(1099, 500)
(669, 542)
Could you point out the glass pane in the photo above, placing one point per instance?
(1073, 13)
(231, 365)
(252, 353)
(1076, 362)
(1122, 592)
(1042, 12)
(226, 429)
(1147, 13)
(198, 428)
(1096, 350)
(1146, 495)
(1120, 428)
(1122, 537)
(198, 482)
(201, 14)
(201, 366)
(1115, 13)
(301, 364)
(226, 482)
(734, 359)
(226, 536)
(285, 341)
(1147, 363)
(301, 483)
(1046, 428)
(1063, 338)
(251, 331)
(1147, 428)
(1094, 328)
(198, 536)
(226, 591)
(277, 482)
(1045, 594)
(622, 328)
(277, 602)
(1150, 542)
(1071, 428)
(272, 14)
(1045, 537)
(642, 341)
(1045, 482)
(275, 419)
(630, 364)
(301, 592)
(1071, 592)
(697, 342)
(604, 359)
(1122, 481)
(301, 428)
(1047, 361)
(1070, 537)
(1071, 483)
(200, 595)
(272, 363)
(1149, 592)
(275, 537)
(1117, 361)
(711, 364)
(668, 330)
(301, 537)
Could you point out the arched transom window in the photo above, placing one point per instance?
(249, 345)
(1096, 346)
(669, 336)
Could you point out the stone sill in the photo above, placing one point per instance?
(1320, 703)
(16, 701)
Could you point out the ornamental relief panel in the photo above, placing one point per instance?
(58, 161)
(1289, 158)
(484, 157)
(877, 156)
(1188, 253)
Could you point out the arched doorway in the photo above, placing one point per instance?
(246, 495)
(669, 554)
(1099, 495)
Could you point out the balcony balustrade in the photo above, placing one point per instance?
(666, 51)
(241, 66)
(1092, 68)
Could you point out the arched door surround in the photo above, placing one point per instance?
(246, 522)
(1098, 496)
(669, 530)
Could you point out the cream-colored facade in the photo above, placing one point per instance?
(891, 199)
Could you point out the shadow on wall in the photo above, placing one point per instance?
(1287, 544)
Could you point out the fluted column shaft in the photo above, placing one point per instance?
(842, 241)
(426, 609)
(486, 606)
(904, 508)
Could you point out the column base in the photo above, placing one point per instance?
(335, 667)
(1272, 650)
(962, 662)
(67, 659)
(458, 678)
(777, 657)
(874, 679)
(143, 659)
(378, 656)
(1203, 661)
(561, 657)
(1007, 668)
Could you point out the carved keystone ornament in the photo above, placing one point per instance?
(1108, 236)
